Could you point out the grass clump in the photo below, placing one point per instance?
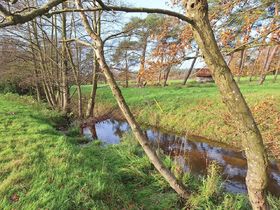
(211, 195)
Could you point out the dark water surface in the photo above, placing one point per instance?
(192, 156)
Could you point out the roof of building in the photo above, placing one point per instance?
(203, 72)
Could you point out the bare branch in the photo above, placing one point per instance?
(247, 44)
(128, 10)
(14, 19)
(78, 41)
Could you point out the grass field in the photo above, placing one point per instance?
(197, 109)
(42, 168)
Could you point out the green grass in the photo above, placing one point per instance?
(41, 168)
(197, 109)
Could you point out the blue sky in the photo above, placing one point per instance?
(146, 3)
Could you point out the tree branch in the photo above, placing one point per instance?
(14, 19)
(128, 10)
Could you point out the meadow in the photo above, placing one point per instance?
(43, 168)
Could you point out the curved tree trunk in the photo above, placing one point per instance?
(144, 142)
(252, 142)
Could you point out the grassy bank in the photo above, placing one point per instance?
(41, 168)
(197, 109)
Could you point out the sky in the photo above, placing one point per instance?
(146, 3)
(160, 4)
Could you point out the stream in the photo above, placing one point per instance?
(192, 156)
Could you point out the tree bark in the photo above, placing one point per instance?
(168, 69)
(188, 74)
(277, 71)
(76, 73)
(254, 67)
(268, 62)
(144, 142)
(241, 64)
(142, 60)
(91, 102)
(252, 141)
(65, 86)
(95, 68)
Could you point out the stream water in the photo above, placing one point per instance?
(192, 156)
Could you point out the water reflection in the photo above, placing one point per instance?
(192, 156)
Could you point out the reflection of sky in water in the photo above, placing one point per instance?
(233, 171)
(191, 156)
(235, 186)
(108, 131)
(276, 177)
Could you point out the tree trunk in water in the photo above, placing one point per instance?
(191, 68)
(268, 62)
(144, 142)
(252, 142)
(93, 131)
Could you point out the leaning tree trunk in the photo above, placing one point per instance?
(191, 68)
(241, 64)
(144, 142)
(268, 63)
(252, 141)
